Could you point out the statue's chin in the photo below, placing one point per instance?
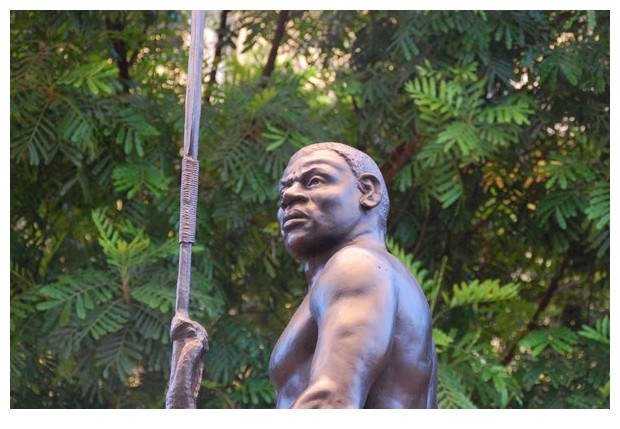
(296, 247)
(303, 248)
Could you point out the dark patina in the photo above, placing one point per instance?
(361, 338)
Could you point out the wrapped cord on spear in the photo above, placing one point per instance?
(189, 339)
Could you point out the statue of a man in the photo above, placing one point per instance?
(361, 338)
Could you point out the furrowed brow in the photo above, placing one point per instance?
(315, 170)
(285, 183)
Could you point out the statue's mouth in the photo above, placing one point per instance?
(293, 219)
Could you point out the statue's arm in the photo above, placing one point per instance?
(354, 304)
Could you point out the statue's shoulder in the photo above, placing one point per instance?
(358, 258)
(355, 269)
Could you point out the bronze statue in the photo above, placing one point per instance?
(361, 337)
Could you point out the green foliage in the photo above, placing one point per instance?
(93, 77)
(134, 178)
(126, 246)
(560, 206)
(132, 131)
(562, 170)
(598, 212)
(491, 128)
(561, 340)
(78, 293)
(599, 333)
(451, 392)
(415, 267)
(119, 354)
(480, 292)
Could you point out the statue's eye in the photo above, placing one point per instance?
(314, 181)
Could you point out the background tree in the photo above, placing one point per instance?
(491, 128)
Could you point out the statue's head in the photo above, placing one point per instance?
(329, 191)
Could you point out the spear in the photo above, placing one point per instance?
(189, 339)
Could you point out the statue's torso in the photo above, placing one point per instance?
(406, 380)
(289, 368)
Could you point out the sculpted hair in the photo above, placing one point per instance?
(359, 163)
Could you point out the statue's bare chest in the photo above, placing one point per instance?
(291, 357)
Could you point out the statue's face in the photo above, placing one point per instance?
(319, 204)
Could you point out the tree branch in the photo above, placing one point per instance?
(398, 159)
(120, 48)
(275, 44)
(422, 233)
(219, 45)
(134, 55)
(543, 302)
(394, 220)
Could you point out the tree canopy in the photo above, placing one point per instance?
(492, 129)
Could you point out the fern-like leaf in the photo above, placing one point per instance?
(152, 324)
(464, 135)
(132, 178)
(562, 205)
(476, 292)
(561, 340)
(441, 339)
(156, 295)
(451, 392)
(598, 333)
(232, 346)
(132, 131)
(598, 210)
(107, 319)
(79, 293)
(513, 110)
(127, 246)
(37, 141)
(447, 185)
(599, 242)
(562, 170)
(94, 77)
(119, 353)
(414, 267)
(206, 297)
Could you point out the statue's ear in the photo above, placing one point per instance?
(370, 187)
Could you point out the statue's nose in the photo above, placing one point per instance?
(294, 194)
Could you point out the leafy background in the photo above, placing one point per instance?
(492, 129)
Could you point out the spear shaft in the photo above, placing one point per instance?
(189, 171)
(189, 339)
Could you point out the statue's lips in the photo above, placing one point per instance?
(293, 219)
